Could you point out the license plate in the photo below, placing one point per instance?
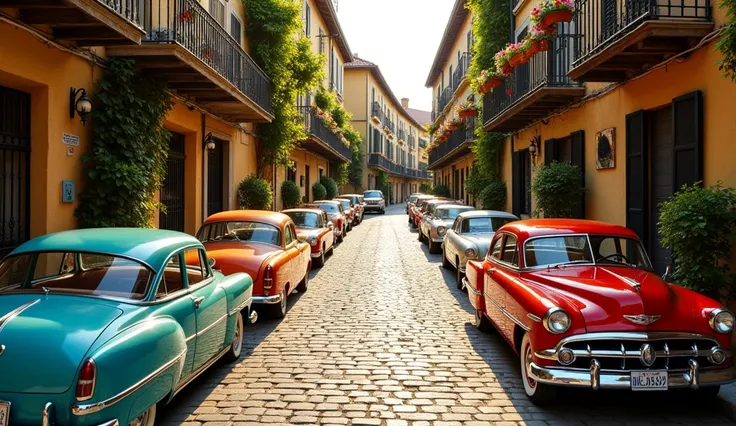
(649, 380)
(4, 413)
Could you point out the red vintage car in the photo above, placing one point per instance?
(263, 244)
(415, 207)
(579, 302)
(314, 227)
(336, 214)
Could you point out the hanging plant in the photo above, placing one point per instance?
(536, 41)
(486, 81)
(455, 124)
(551, 12)
(430, 128)
(186, 16)
(503, 60)
(466, 110)
(516, 55)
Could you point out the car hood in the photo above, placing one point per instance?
(308, 232)
(46, 339)
(232, 257)
(441, 222)
(373, 199)
(481, 241)
(604, 294)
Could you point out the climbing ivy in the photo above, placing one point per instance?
(355, 173)
(127, 163)
(279, 47)
(727, 44)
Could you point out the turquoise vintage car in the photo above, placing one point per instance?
(98, 326)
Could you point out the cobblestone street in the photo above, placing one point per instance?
(383, 337)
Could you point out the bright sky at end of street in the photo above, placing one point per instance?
(401, 37)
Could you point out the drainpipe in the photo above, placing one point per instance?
(204, 174)
(512, 26)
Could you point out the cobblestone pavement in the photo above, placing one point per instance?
(383, 337)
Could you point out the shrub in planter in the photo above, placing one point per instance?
(477, 181)
(493, 197)
(425, 188)
(319, 191)
(255, 193)
(291, 195)
(330, 186)
(697, 224)
(441, 191)
(558, 190)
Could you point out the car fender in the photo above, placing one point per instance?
(474, 283)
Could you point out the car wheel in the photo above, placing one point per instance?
(459, 276)
(304, 284)
(279, 311)
(237, 346)
(320, 262)
(383, 211)
(481, 322)
(445, 261)
(434, 248)
(341, 237)
(146, 419)
(538, 393)
(420, 237)
(332, 249)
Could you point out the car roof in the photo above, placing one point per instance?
(326, 201)
(349, 195)
(454, 205)
(304, 210)
(150, 246)
(488, 213)
(543, 227)
(263, 216)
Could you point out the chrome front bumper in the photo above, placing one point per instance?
(316, 255)
(253, 317)
(267, 300)
(597, 379)
(48, 417)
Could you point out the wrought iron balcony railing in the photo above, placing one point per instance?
(378, 161)
(316, 128)
(459, 137)
(377, 112)
(461, 71)
(423, 143)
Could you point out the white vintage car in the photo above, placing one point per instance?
(437, 219)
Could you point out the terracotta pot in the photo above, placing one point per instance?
(468, 113)
(516, 60)
(555, 17)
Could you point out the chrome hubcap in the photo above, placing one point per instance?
(141, 420)
(527, 362)
(238, 336)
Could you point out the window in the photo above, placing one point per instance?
(305, 219)
(236, 28)
(321, 36)
(13, 272)
(619, 251)
(196, 266)
(289, 235)
(240, 232)
(307, 20)
(510, 251)
(53, 264)
(171, 279)
(557, 250)
(217, 10)
(496, 249)
(483, 225)
(290, 174)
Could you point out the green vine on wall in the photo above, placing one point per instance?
(351, 172)
(284, 53)
(727, 44)
(127, 164)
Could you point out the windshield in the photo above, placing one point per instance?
(412, 198)
(591, 249)
(345, 204)
(482, 225)
(75, 273)
(329, 208)
(247, 232)
(305, 219)
(450, 213)
(372, 194)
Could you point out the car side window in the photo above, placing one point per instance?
(288, 235)
(171, 279)
(196, 266)
(510, 251)
(456, 226)
(496, 248)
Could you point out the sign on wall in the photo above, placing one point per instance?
(605, 149)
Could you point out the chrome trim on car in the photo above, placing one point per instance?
(47, 414)
(316, 255)
(240, 307)
(711, 319)
(199, 371)
(471, 289)
(211, 326)
(267, 300)
(253, 317)
(85, 409)
(15, 312)
(507, 314)
(534, 318)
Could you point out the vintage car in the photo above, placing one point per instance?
(266, 246)
(469, 238)
(579, 302)
(350, 212)
(437, 221)
(336, 215)
(315, 227)
(357, 205)
(416, 206)
(374, 201)
(411, 200)
(427, 208)
(101, 325)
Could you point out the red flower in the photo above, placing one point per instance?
(509, 91)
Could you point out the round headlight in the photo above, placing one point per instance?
(470, 253)
(556, 321)
(312, 240)
(441, 230)
(721, 321)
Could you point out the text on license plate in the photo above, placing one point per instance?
(4, 413)
(649, 380)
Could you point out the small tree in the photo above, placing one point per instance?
(330, 186)
(319, 191)
(255, 193)
(477, 181)
(558, 190)
(493, 197)
(425, 188)
(290, 194)
(441, 191)
(697, 224)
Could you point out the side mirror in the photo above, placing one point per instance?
(667, 272)
(301, 239)
(211, 262)
(330, 225)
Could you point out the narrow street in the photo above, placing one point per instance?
(383, 337)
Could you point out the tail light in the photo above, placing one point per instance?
(86, 382)
(268, 278)
(339, 223)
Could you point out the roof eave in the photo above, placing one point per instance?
(452, 29)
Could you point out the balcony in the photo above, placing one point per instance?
(620, 39)
(534, 90)
(423, 143)
(458, 76)
(401, 135)
(377, 113)
(457, 146)
(443, 99)
(187, 48)
(412, 142)
(378, 161)
(322, 140)
(84, 22)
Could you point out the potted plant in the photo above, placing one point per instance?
(467, 110)
(551, 12)
(537, 41)
(516, 55)
(487, 80)
(503, 60)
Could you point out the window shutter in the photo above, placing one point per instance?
(687, 120)
(517, 192)
(550, 151)
(636, 174)
(577, 157)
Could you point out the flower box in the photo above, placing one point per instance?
(556, 17)
(376, 120)
(467, 110)
(551, 12)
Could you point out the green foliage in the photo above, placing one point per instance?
(425, 188)
(127, 164)
(330, 186)
(727, 43)
(291, 195)
(279, 47)
(341, 173)
(355, 173)
(324, 99)
(477, 181)
(441, 191)
(697, 224)
(383, 185)
(558, 190)
(319, 191)
(255, 193)
(493, 196)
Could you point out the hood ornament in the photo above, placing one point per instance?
(642, 319)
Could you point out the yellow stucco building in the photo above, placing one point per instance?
(198, 48)
(393, 139)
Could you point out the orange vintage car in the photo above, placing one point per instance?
(263, 244)
(316, 228)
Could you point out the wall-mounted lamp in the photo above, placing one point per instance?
(534, 148)
(79, 103)
(209, 143)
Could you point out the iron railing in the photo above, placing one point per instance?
(315, 127)
(548, 68)
(444, 98)
(457, 138)
(377, 111)
(128, 9)
(423, 143)
(423, 166)
(379, 161)
(388, 123)
(189, 25)
(412, 141)
(461, 71)
(401, 134)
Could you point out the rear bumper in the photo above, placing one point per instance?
(374, 207)
(267, 300)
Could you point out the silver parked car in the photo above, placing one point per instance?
(469, 238)
(438, 218)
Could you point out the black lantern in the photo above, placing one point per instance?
(79, 103)
(209, 143)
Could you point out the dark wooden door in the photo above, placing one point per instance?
(15, 151)
(215, 179)
(307, 184)
(661, 175)
(172, 191)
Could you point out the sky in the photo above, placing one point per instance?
(401, 36)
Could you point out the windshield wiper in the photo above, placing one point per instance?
(572, 262)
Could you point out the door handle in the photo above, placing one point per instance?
(197, 301)
(491, 271)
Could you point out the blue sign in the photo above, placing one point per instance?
(67, 191)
